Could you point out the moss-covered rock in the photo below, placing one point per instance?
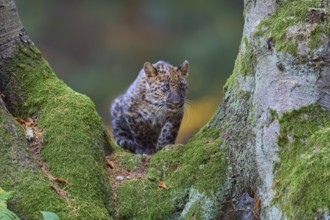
(303, 174)
(73, 142)
(195, 174)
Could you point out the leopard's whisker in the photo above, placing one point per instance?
(188, 102)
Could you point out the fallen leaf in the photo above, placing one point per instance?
(256, 208)
(162, 185)
(38, 133)
(50, 215)
(29, 122)
(61, 180)
(30, 131)
(110, 163)
(20, 121)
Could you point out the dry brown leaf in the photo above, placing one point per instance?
(161, 184)
(21, 121)
(29, 122)
(61, 180)
(37, 132)
(256, 208)
(110, 163)
(30, 130)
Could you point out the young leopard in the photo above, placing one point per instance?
(149, 114)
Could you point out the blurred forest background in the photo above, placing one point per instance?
(98, 47)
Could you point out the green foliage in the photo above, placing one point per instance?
(303, 175)
(49, 215)
(288, 14)
(201, 164)
(6, 214)
(4, 197)
(72, 142)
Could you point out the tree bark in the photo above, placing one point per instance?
(10, 28)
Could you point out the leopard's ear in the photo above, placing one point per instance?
(149, 70)
(184, 68)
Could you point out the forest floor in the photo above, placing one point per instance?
(124, 166)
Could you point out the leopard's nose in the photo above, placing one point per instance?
(175, 100)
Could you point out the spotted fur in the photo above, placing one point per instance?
(149, 114)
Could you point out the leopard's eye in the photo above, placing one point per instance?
(165, 87)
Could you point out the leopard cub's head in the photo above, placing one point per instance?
(167, 84)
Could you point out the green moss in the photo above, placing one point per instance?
(288, 14)
(303, 175)
(127, 160)
(273, 115)
(316, 33)
(194, 212)
(247, 60)
(72, 140)
(200, 164)
(19, 172)
(193, 164)
(144, 200)
(244, 64)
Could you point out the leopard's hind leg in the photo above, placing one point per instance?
(120, 129)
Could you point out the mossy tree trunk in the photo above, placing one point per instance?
(283, 72)
(70, 134)
(275, 116)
